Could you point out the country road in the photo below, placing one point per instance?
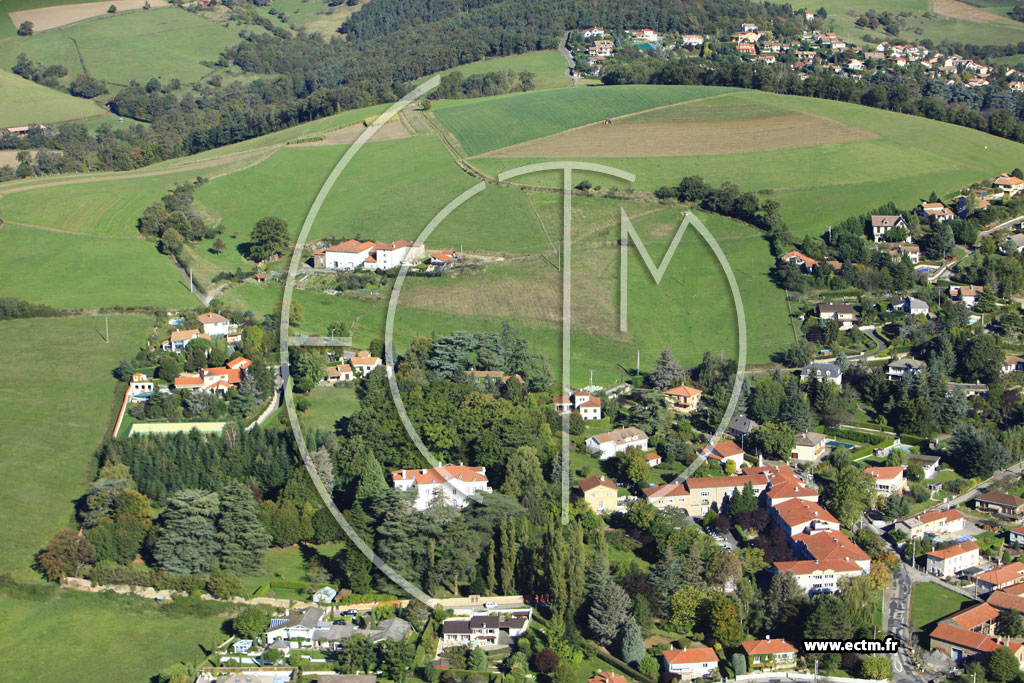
(565, 52)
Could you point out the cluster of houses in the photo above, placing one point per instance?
(699, 662)
(213, 325)
(312, 629)
(600, 45)
(359, 364)
(369, 255)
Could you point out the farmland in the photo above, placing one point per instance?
(8, 29)
(26, 102)
(73, 271)
(45, 468)
(548, 66)
(159, 43)
(946, 20)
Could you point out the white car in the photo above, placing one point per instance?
(490, 605)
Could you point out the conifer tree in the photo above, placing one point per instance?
(186, 540)
(241, 536)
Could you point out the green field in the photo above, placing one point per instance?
(316, 16)
(931, 602)
(51, 428)
(75, 271)
(26, 102)
(327, 405)
(999, 30)
(287, 564)
(7, 27)
(548, 66)
(491, 123)
(101, 638)
(164, 43)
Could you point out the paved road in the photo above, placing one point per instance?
(1013, 221)
(565, 52)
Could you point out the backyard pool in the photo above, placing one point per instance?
(837, 444)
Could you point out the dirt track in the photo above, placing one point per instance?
(348, 134)
(687, 138)
(961, 10)
(61, 15)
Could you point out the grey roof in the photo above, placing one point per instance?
(885, 221)
(346, 678)
(743, 424)
(308, 619)
(455, 626)
(279, 645)
(908, 364)
(337, 631)
(809, 439)
(819, 369)
(912, 303)
(1018, 239)
(836, 308)
(392, 629)
(484, 621)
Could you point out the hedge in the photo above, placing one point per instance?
(293, 585)
(144, 576)
(367, 597)
(854, 435)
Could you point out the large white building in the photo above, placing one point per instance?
(954, 559)
(820, 576)
(617, 441)
(214, 324)
(352, 254)
(455, 483)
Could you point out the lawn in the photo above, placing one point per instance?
(327, 405)
(316, 16)
(491, 123)
(287, 564)
(931, 602)
(75, 271)
(26, 102)
(51, 429)
(102, 638)
(162, 43)
(548, 66)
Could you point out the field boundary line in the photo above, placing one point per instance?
(30, 226)
(529, 200)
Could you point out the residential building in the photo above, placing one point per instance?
(589, 407)
(830, 545)
(607, 677)
(352, 254)
(727, 451)
(450, 484)
(683, 399)
(600, 493)
(969, 294)
(952, 560)
(911, 306)
(601, 49)
(347, 255)
(363, 363)
(809, 446)
(593, 31)
(485, 630)
(1006, 600)
(697, 495)
(936, 211)
(929, 463)
(140, 388)
(1015, 243)
(179, 339)
(742, 426)
(803, 516)
(970, 389)
(787, 490)
(653, 459)
(1017, 536)
(1000, 503)
(804, 262)
(1000, 577)
(443, 257)
(888, 480)
(896, 369)
(881, 225)
(214, 380)
(1009, 184)
(844, 313)
(309, 629)
(340, 372)
(935, 523)
(898, 251)
(746, 26)
(746, 48)
(1013, 364)
(962, 645)
(981, 618)
(690, 663)
(769, 655)
(816, 576)
(646, 35)
(691, 39)
(823, 372)
(616, 441)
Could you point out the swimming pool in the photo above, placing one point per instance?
(837, 444)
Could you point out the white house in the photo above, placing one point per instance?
(214, 324)
(820, 576)
(1017, 536)
(646, 35)
(881, 225)
(347, 255)
(588, 406)
(689, 663)
(933, 523)
(953, 559)
(340, 372)
(768, 654)
(180, 338)
(823, 372)
(803, 516)
(309, 629)
(214, 380)
(396, 254)
(844, 313)
(727, 451)
(485, 630)
(809, 446)
(691, 39)
(888, 480)
(617, 441)
(453, 484)
(1009, 184)
(593, 31)
(896, 369)
(1015, 244)
(1012, 364)
(911, 306)
(140, 388)
(363, 363)
(969, 294)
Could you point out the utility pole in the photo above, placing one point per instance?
(106, 319)
(638, 362)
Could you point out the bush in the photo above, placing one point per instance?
(26, 28)
(224, 586)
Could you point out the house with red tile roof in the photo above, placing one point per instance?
(727, 451)
(1017, 536)
(214, 380)
(608, 444)
(179, 339)
(803, 517)
(607, 677)
(981, 618)
(888, 480)
(789, 490)
(363, 363)
(589, 407)
(352, 254)
(1009, 184)
(600, 493)
(830, 545)
(214, 324)
(933, 523)
(447, 484)
(693, 662)
(683, 399)
(1000, 577)
(962, 645)
(952, 560)
(340, 372)
(804, 262)
(819, 576)
(769, 654)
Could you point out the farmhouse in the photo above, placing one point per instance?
(896, 369)
(351, 254)
(969, 294)
(214, 324)
(809, 446)
(1000, 503)
(881, 225)
(689, 663)
(1000, 577)
(218, 379)
(683, 399)
(822, 372)
(815, 576)
(449, 484)
(844, 313)
(617, 441)
(888, 480)
(600, 493)
(1009, 184)
(588, 406)
(180, 338)
(769, 655)
(933, 523)
(953, 559)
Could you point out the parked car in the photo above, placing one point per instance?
(490, 605)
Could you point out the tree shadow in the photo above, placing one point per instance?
(245, 249)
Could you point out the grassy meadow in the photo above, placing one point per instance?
(996, 29)
(162, 43)
(75, 271)
(548, 66)
(52, 428)
(328, 404)
(7, 27)
(26, 102)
